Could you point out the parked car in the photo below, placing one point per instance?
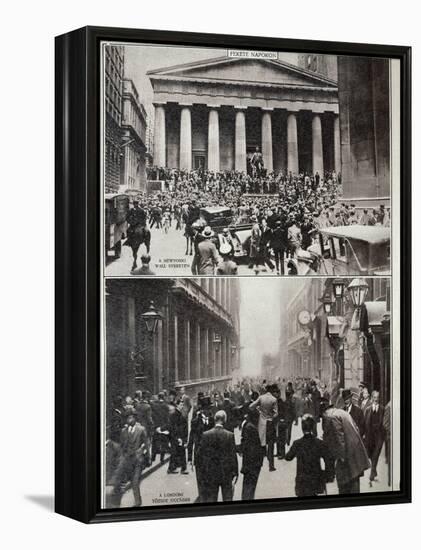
(116, 210)
(345, 250)
(219, 218)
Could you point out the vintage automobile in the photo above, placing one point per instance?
(220, 217)
(116, 210)
(345, 250)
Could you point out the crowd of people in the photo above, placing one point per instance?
(200, 432)
(284, 213)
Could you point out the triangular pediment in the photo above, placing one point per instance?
(247, 70)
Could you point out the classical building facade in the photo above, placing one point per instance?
(133, 130)
(196, 342)
(363, 85)
(214, 113)
(114, 71)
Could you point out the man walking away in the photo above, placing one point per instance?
(267, 406)
(219, 458)
(345, 447)
(252, 453)
(310, 479)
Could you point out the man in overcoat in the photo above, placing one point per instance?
(345, 447)
(218, 455)
(252, 454)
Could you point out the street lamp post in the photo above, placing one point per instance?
(358, 289)
(338, 292)
(152, 317)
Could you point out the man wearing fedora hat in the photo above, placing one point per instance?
(208, 257)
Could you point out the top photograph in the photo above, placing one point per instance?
(242, 162)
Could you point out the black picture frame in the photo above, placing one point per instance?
(77, 236)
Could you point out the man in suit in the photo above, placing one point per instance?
(218, 457)
(185, 402)
(143, 412)
(267, 405)
(229, 408)
(178, 429)
(345, 447)
(364, 401)
(374, 432)
(310, 479)
(356, 413)
(200, 423)
(160, 416)
(208, 257)
(252, 453)
(134, 458)
(279, 244)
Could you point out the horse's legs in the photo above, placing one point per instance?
(134, 251)
(148, 242)
(187, 245)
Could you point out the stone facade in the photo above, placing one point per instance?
(212, 114)
(134, 121)
(364, 129)
(114, 69)
(195, 345)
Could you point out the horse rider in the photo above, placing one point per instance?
(136, 218)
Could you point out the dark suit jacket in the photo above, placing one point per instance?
(160, 414)
(310, 478)
(178, 427)
(358, 417)
(374, 429)
(251, 449)
(135, 443)
(198, 427)
(218, 455)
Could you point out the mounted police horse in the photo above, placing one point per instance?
(137, 233)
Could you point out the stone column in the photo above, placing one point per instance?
(185, 138)
(292, 143)
(337, 144)
(159, 136)
(207, 359)
(213, 140)
(197, 359)
(267, 147)
(240, 140)
(187, 348)
(316, 126)
(175, 348)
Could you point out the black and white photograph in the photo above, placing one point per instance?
(222, 389)
(280, 162)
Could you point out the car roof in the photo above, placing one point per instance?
(215, 209)
(371, 234)
(113, 195)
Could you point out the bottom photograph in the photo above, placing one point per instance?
(240, 389)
